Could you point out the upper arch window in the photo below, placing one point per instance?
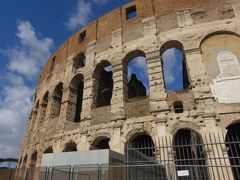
(57, 100)
(44, 107)
(79, 61)
(135, 74)
(174, 66)
(76, 97)
(103, 83)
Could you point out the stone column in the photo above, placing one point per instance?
(164, 148)
(88, 91)
(118, 95)
(87, 103)
(199, 83)
(116, 144)
(158, 95)
(117, 102)
(216, 154)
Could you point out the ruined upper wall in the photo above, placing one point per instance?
(168, 14)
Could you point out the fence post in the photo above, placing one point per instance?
(10, 176)
(70, 173)
(26, 175)
(169, 173)
(99, 172)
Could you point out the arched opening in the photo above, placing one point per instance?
(100, 143)
(48, 150)
(79, 61)
(76, 97)
(24, 161)
(44, 107)
(135, 74)
(103, 77)
(189, 154)
(232, 142)
(33, 159)
(70, 146)
(57, 100)
(178, 107)
(144, 144)
(34, 114)
(174, 66)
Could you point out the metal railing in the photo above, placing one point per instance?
(185, 157)
(189, 156)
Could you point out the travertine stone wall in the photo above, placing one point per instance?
(202, 27)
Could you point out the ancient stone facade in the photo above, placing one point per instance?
(203, 29)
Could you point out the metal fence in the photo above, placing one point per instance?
(189, 156)
(185, 157)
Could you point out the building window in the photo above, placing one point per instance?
(136, 75)
(174, 66)
(53, 63)
(79, 61)
(178, 107)
(82, 36)
(103, 77)
(70, 147)
(57, 100)
(131, 12)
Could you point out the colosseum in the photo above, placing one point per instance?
(87, 99)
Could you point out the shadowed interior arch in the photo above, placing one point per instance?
(232, 142)
(100, 143)
(33, 159)
(79, 61)
(76, 97)
(189, 154)
(44, 107)
(48, 150)
(70, 146)
(57, 100)
(103, 83)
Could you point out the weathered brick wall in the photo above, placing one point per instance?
(111, 37)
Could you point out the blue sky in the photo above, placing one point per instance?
(30, 30)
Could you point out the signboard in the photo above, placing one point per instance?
(183, 173)
(227, 89)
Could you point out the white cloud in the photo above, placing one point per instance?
(81, 15)
(26, 60)
(170, 65)
(29, 56)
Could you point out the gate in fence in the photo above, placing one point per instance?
(185, 157)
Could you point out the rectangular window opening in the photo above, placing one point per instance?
(82, 36)
(53, 63)
(131, 12)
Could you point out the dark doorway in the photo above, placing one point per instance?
(189, 155)
(233, 145)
